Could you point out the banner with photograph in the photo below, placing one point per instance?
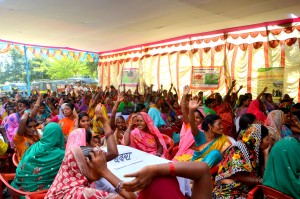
(271, 78)
(205, 77)
(130, 76)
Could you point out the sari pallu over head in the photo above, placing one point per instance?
(254, 109)
(274, 124)
(146, 141)
(72, 179)
(76, 138)
(243, 156)
(41, 161)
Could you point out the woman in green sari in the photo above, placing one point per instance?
(41, 161)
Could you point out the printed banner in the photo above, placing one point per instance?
(130, 76)
(271, 78)
(206, 77)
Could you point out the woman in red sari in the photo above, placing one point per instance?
(145, 137)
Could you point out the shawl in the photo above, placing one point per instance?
(274, 123)
(243, 156)
(72, 179)
(282, 169)
(76, 138)
(146, 141)
(41, 161)
(67, 125)
(254, 109)
(11, 126)
(154, 113)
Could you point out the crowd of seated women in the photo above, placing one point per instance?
(57, 139)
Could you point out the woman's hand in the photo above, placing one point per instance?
(99, 115)
(75, 115)
(142, 179)
(120, 97)
(186, 90)
(131, 122)
(193, 104)
(98, 161)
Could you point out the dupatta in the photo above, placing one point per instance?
(146, 141)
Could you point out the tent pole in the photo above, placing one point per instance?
(27, 71)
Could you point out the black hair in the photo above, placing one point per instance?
(81, 115)
(139, 107)
(88, 136)
(210, 119)
(285, 110)
(245, 120)
(43, 104)
(242, 99)
(267, 95)
(264, 132)
(209, 101)
(120, 117)
(29, 119)
(197, 111)
(70, 105)
(26, 102)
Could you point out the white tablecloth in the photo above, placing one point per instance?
(131, 160)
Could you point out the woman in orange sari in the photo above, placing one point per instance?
(145, 137)
(71, 119)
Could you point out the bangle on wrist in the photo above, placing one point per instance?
(172, 169)
(119, 187)
(108, 135)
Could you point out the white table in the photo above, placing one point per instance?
(131, 160)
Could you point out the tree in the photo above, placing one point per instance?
(34, 68)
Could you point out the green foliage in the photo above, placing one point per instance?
(12, 68)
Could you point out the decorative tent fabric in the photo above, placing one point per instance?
(240, 54)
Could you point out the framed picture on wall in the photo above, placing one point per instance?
(130, 76)
(205, 77)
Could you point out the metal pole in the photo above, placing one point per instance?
(27, 71)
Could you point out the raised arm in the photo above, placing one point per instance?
(183, 104)
(230, 90)
(22, 126)
(115, 109)
(128, 131)
(193, 105)
(36, 106)
(112, 150)
(261, 94)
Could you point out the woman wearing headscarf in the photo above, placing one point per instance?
(274, 123)
(258, 109)
(282, 169)
(210, 144)
(146, 136)
(40, 163)
(80, 167)
(242, 166)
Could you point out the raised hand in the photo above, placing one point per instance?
(265, 89)
(194, 104)
(97, 161)
(99, 114)
(120, 97)
(186, 90)
(75, 115)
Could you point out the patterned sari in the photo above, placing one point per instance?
(11, 126)
(41, 161)
(72, 179)
(146, 141)
(274, 124)
(243, 156)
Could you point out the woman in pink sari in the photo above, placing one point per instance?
(145, 137)
(187, 141)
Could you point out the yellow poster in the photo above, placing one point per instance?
(271, 78)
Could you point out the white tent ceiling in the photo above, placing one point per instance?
(102, 25)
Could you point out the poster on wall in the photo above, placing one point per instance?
(273, 79)
(205, 77)
(130, 76)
